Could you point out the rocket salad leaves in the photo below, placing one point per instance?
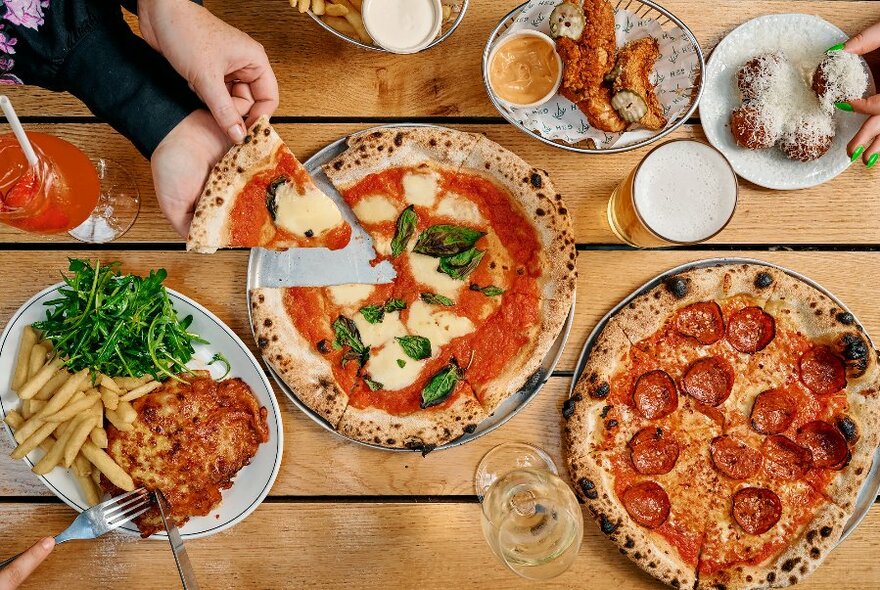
(118, 324)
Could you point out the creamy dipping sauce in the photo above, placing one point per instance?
(524, 69)
(402, 25)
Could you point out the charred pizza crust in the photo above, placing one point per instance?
(211, 226)
(796, 306)
(308, 374)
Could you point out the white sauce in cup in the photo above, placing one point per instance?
(402, 26)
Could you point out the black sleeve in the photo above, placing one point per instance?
(86, 48)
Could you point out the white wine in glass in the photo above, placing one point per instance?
(531, 518)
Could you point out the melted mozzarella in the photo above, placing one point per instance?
(420, 189)
(383, 367)
(375, 209)
(424, 270)
(460, 209)
(382, 244)
(384, 331)
(312, 211)
(349, 295)
(437, 325)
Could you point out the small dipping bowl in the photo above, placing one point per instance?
(387, 31)
(492, 72)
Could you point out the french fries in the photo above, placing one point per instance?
(64, 414)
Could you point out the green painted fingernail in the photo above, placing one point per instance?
(857, 153)
(844, 106)
(837, 47)
(872, 160)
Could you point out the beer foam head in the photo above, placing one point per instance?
(685, 191)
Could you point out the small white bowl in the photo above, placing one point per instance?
(435, 30)
(508, 38)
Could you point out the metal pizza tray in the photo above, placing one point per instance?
(321, 267)
(870, 488)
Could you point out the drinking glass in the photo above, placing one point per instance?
(683, 192)
(94, 201)
(530, 517)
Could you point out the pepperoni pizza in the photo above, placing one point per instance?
(723, 426)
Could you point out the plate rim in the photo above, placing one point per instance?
(701, 78)
(873, 478)
(314, 162)
(713, 60)
(279, 434)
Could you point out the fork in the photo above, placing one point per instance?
(102, 518)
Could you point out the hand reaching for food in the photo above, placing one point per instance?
(219, 61)
(866, 142)
(14, 574)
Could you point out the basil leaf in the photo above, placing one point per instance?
(394, 305)
(416, 347)
(488, 291)
(441, 385)
(461, 265)
(373, 313)
(406, 227)
(373, 385)
(347, 334)
(446, 240)
(401, 363)
(271, 195)
(434, 299)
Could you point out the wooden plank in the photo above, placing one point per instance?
(446, 81)
(367, 546)
(348, 469)
(841, 211)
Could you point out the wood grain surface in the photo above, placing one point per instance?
(365, 546)
(843, 211)
(345, 469)
(443, 82)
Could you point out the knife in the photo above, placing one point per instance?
(184, 567)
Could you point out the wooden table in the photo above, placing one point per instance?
(340, 515)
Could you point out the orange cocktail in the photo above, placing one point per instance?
(57, 195)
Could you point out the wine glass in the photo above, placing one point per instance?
(530, 517)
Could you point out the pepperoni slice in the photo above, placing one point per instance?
(655, 395)
(734, 458)
(708, 380)
(647, 504)
(651, 452)
(825, 442)
(750, 329)
(702, 320)
(822, 371)
(773, 411)
(756, 510)
(785, 458)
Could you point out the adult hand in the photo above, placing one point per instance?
(866, 142)
(17, 572)
(181, 164)
(217, 60)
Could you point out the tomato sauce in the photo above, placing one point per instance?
(252, 223)
(500, 336)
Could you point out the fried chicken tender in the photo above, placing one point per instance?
(636, 60)
(587, 61)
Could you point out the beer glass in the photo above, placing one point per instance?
(683, 192)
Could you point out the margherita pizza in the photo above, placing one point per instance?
(485, 264)
(723, 426)
(259, 194)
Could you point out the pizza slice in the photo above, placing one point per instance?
(260, 195)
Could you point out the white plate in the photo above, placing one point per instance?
(252, 483)
(803, 38)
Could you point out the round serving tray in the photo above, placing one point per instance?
(440, 39)
(871, 487)
(644, 9)
(323, 267)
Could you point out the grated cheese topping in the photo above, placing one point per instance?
(840, 77)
